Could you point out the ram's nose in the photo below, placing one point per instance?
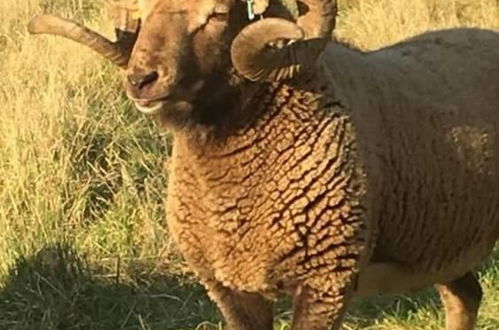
(140, 80)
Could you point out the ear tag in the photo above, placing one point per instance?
(250, 8)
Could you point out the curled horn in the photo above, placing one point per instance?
(117, 52)
(254, 58)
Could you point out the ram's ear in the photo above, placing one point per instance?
(260, 6)
(317, 17)
(287, 9)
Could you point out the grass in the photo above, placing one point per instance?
(83, 243)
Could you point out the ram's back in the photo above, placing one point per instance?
(427, 113)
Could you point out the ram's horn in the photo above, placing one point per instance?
(257, 55)
(50, 24)
(126, 18)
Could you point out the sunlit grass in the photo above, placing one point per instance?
(83, 243)
(371, 24)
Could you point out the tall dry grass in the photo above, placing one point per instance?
(371, 24)
(79, 165)
(76, 163)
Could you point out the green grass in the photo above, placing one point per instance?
(83, 243)
(56, 289)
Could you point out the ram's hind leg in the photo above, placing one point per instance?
(461, 298)
(242, 311)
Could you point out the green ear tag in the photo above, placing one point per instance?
(251, 12)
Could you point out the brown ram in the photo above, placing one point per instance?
(303, 166)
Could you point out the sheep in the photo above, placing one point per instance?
(306, 167)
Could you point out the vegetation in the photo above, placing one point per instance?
(83, 243)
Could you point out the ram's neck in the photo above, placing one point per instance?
(286, 126)
(264, 112)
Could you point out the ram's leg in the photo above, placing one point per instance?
(242, 311)
(461, 298)
(318, 310)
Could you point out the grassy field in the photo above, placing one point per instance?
(83, 243)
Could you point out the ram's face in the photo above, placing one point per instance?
(182, 47)
(180, 56)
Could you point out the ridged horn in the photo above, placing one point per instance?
(51, 24)
(254, 57)
(319, 18)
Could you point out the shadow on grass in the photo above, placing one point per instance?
(55, 289)
(366, 312)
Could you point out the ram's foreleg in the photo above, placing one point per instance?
(314, 310)
(461, 298)
(242, 311)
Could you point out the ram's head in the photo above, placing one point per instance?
(180, 54)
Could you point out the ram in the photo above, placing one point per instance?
(303, 166)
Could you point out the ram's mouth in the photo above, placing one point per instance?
(155, 107)
(149, 107)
